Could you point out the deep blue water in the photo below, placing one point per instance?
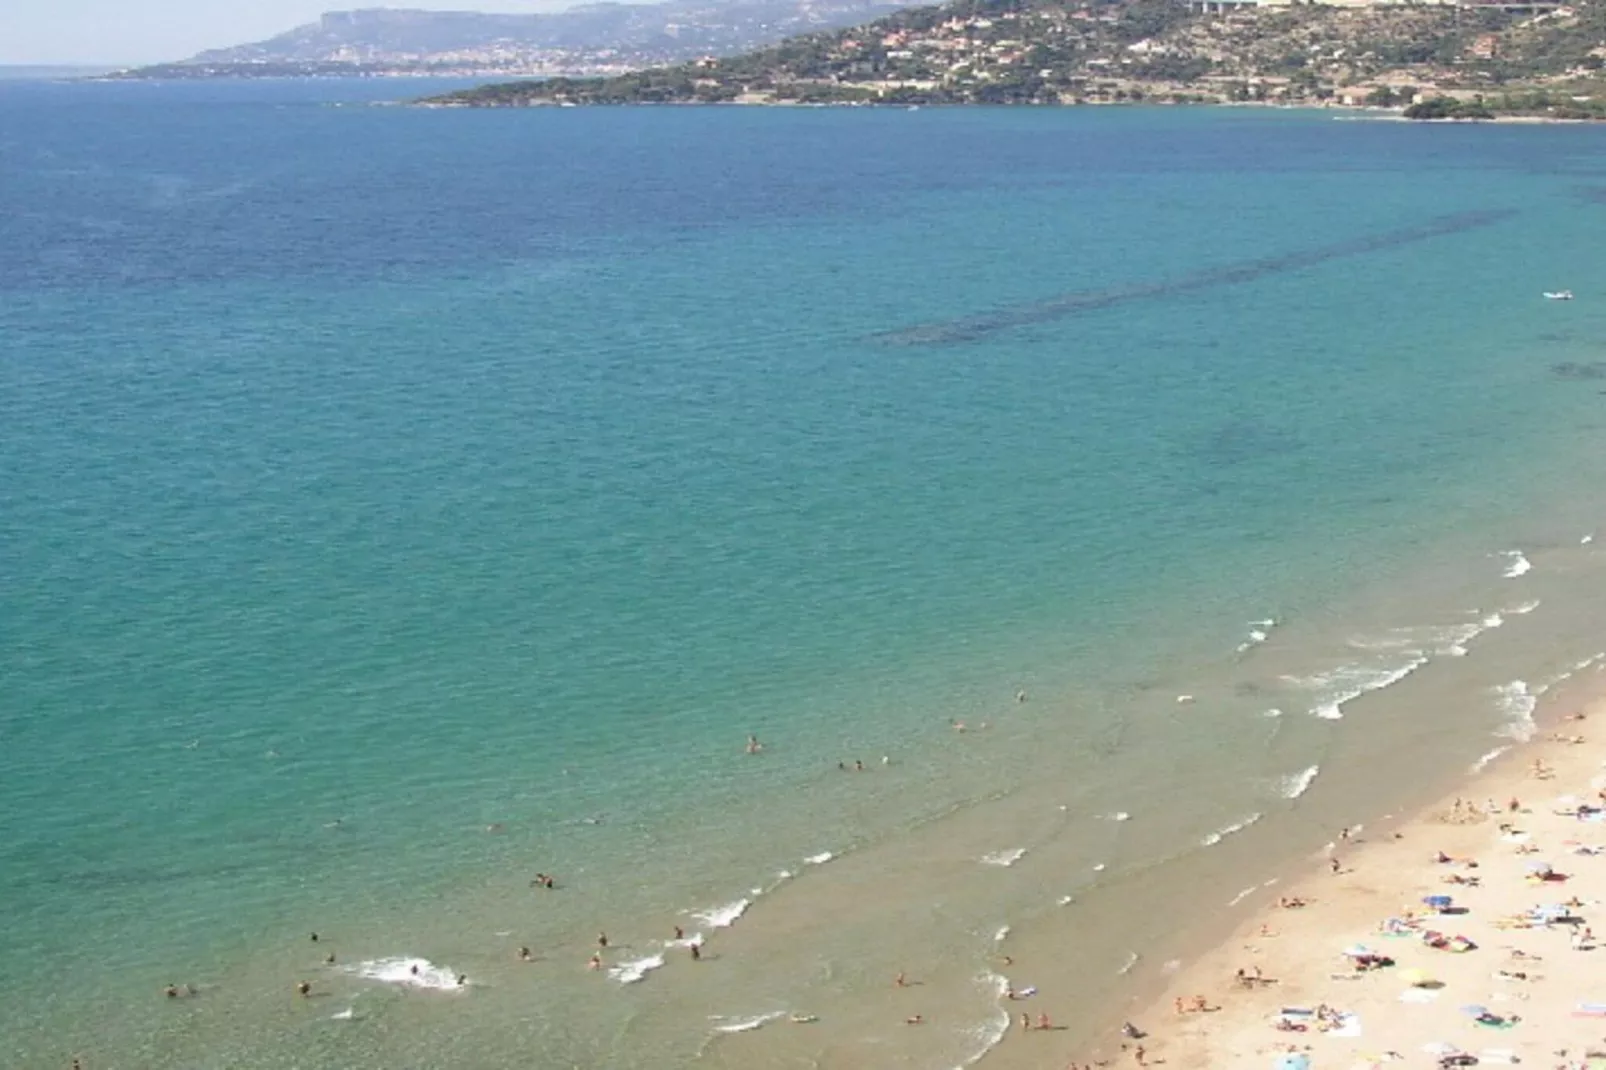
(428, 469)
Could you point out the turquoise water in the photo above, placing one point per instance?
(404, 502)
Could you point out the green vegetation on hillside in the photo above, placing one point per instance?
(1443, 62)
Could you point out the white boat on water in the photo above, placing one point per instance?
(1559, 295)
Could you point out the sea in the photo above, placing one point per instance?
(987, 546)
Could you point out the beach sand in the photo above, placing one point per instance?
(1542, 984)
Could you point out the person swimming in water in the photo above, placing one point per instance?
(753, 745)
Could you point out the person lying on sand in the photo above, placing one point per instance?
(1293, 902)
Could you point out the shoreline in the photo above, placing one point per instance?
(1386, 868)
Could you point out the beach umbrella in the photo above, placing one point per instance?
(1293, 1060)
(1357, 951)
(1415, 977)
(1475, 1010)
(1437, 902)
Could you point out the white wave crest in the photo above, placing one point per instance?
(628, 973)
(1294, 785)
(1483, 762)
(1516, 564)
(1241, 896)
(409, 971)
(1001, 935)
(1126, 967)
(1119, 815)
(744, 1025)
(1003, 858)
(1347, 683)
(1586, 540)
(1259, 632)
(987, 1035)
(723, 917)
(1227, 830)
(1517, 705)
(820, 859)
(1525, 608)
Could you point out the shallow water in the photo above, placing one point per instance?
(405, 503)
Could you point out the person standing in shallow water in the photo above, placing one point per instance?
(753, 745)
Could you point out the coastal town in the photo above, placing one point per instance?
(1537, 58)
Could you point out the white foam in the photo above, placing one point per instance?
(1171, 966)
(1099, 868)
(1517, 705)
(1347, 683)
(1516, 564)
(988, 1035)
(1525, 608)
(628, 973)
(1001, 935)
(1586, 540)
(1259, 631)
(1184, 699)
(1227, 830)
(1294, 785)
(1273, 712)
(1119, 815)
(1241, 896)
(744, 1025)
(1126, 967)
(347, 1015)
(1065, 900)
(409, 971)
(820, 859)
(1003, 858)
(694, 940)
(1483, 762)
(723, 917)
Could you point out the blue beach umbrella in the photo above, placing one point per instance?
(1294, 1060)
(1475, 1010)
(1437, 902)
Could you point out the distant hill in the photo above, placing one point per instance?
(604, 37)
(1532, 58)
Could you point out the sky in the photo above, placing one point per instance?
(126, 32)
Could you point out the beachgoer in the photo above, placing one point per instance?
(1334, 863)
(843, 766)
(753, 745)
(899, 981)
(680, 934)
(1025, 1021)
(462, 979)
(1043, 1022)
(858, 765)
(550, 882)
(315, 938)
(602, 939)
(304, 988)
(1020, 696)
(524, 954)
(886, 759)
(171, 991)
(1140, 1056)
(595, 963)
(696, 953)
(329, 959)
(1183, 1010)
(913, 1019)
(413, 969)
(1344, 833)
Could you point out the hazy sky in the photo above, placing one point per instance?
(148, 31)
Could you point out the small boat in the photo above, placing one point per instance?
(1559, 295)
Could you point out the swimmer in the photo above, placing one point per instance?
(524, 954)
(900, 982)
(315, 938)
(304, 988)
(680, 934)
(858, 765)
(462, 979)
(959, 726)
(602, 940)
(329, 959)
(1043, 1022)
(696, 953)
(753, 745)
(1020, 696)
(495, 826)
(171, 991)
(595, 963)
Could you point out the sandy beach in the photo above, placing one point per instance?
(1460, 936)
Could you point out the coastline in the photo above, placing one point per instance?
(1385, 870)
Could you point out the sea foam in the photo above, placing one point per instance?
(820, 859)
(1347, 683)
(1517, 704)
(1227, 830)
(746, 1024)
(408, 971)
(1003, 858)
(1483, 762)
(1516, 564)
(1294, 785)
(1259, 632)
(723, 917)
(988, 1035)
(628, 973)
